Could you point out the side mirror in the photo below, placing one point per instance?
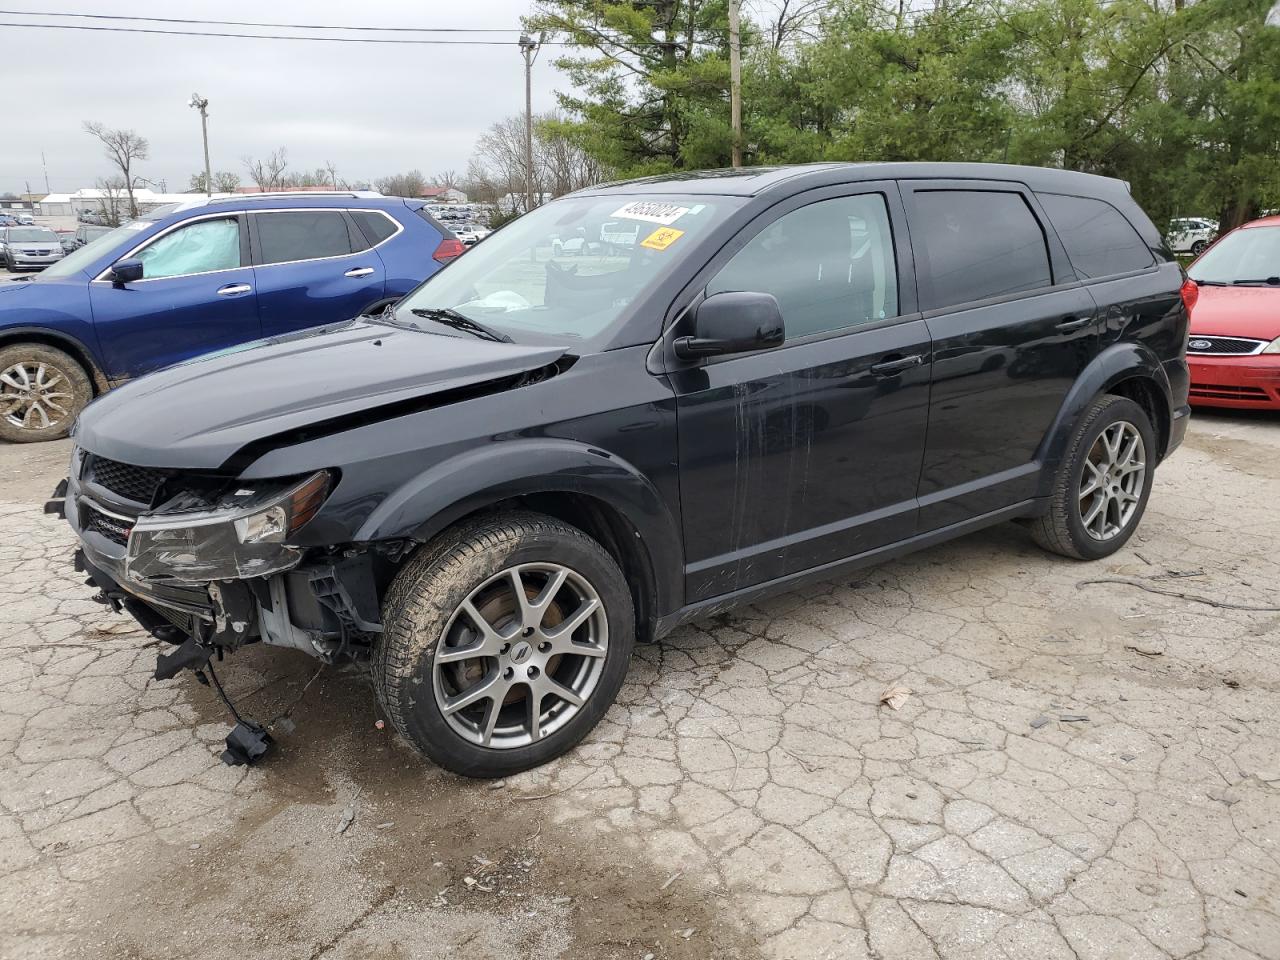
(126, 271)
(733, 323)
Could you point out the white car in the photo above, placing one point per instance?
(470, 234)
(1191, 234)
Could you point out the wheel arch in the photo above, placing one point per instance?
(1130, 370)
(601, 494)
(61, 341)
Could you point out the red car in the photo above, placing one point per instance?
(1234, 347)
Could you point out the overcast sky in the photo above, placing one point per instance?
(372, 109)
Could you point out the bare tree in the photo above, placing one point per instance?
(224, 181)
(112, 201)
(497, 169)
(268, 174)
(411, 184)
(123, 148)
(787, 20)
(333, 173)
(448, 179)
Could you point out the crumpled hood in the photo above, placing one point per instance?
(197, 414)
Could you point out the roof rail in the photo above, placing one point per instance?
(199, 201)
(279, 194)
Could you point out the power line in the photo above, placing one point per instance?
(267, 36)
(247, 23)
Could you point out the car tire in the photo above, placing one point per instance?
(431, 689)
(1098, 497)
(1197, 248)
(42, 391)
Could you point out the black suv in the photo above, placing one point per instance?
(493, 489)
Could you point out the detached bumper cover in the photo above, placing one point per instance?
(1240, 382)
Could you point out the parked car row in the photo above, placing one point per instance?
(178, 283)
(492, 490)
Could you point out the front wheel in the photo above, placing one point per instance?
(42, 391)
(1103, 483)
(1197, 248)
(504, 644)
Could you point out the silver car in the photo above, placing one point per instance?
(29, 248)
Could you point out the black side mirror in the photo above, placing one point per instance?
(739, 322)
(126, 271)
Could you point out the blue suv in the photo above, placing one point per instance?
(201, 276)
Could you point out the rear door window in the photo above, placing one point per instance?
(977, 244)
(302, 235)
(375, 226)
(1099, 241)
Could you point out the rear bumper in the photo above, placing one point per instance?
(1251, 383)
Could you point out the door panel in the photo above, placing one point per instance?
(799, 456)
(1005, 359)
(193, 299)
(307, 274)
(808, 453)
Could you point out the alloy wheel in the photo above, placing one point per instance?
(1111, 486)
(520, 655)
(35, 395)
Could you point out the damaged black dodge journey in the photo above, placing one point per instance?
(633, 407)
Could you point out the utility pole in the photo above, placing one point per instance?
(735, 82)
(529, 49)
(45, 164)
(202, 104)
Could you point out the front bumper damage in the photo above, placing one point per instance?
(326, 605)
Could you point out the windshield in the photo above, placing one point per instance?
(31, 234)
(568, 269)
(1244, 255)
(77, 260)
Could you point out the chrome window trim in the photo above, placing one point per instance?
(138, 248)
(284, 263)
(1259, 345)
(103, 277)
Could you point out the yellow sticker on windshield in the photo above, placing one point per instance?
(661, 238)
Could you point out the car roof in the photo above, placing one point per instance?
(361, 199)
(1273, 221)
(752, 181)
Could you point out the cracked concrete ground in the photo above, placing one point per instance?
(1082, 770)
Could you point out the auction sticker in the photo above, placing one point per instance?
(662, 238)
(652, 211)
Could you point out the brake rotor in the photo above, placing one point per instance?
(500, 611)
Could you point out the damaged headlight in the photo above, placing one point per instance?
(241, 536)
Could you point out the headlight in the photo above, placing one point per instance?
(1273, 346)
(243, 537)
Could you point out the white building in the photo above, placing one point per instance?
(93, 200)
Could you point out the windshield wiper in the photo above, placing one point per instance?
(1209, 283)
(1268, 281)
(452, 318)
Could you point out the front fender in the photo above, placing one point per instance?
(447, 491)
(1118, 362)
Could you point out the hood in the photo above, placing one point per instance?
(1237, 312)
(198, 414)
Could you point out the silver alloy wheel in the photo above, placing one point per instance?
(1115, 471)
(520, 655)
(33, 393)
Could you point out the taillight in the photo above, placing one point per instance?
(1190, 293)
(448, 249)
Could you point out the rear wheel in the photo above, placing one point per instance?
(42, 391)
(1197, 248)
(504, 644)
(1103, 484)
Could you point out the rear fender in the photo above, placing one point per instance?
(1117, 363)
(471, 481)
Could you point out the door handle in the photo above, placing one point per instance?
(359, 272)
(1073, 323)
(231, 289)
(889, 368)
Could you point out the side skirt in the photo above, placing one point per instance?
(714, 605)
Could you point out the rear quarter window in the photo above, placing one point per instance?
(1098, 239)
(375, 226)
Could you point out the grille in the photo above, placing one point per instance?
(117, 531)
(1213, 391)
(138, 484)
(1224, 346)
